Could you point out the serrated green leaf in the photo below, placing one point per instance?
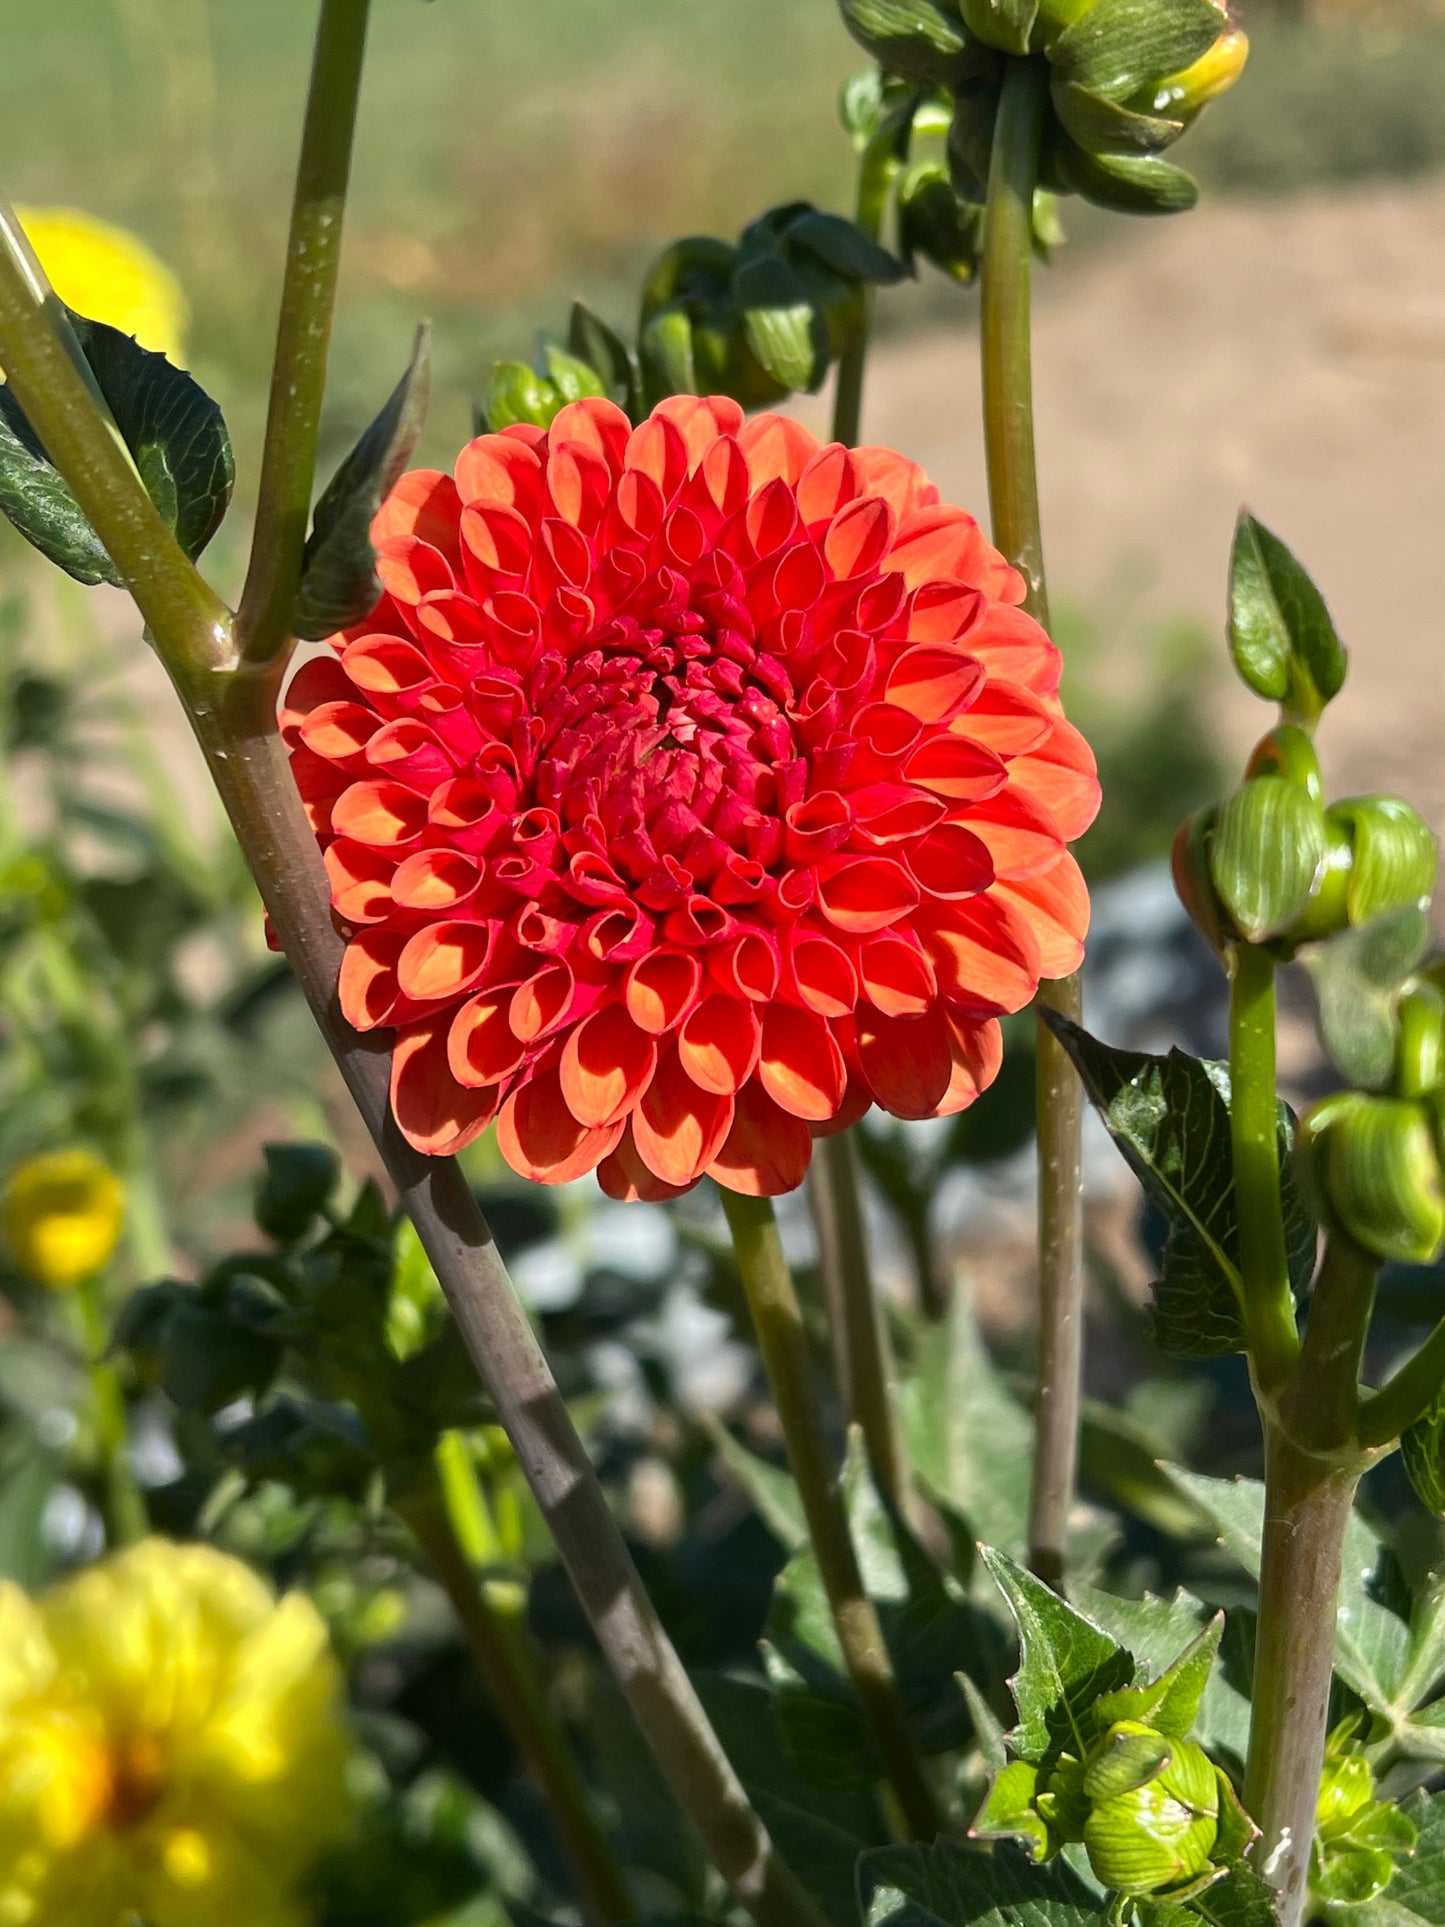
(1240, 1899)
(1154, 1631)
(1066, 1664)
(1281, 634)
(1268, 855)
(1121, 47)
(1357, 977)
(1169, 1117)
(176, 437)
(1170, 1703)
(1008, 1811)
(948, 1885)
(780, 323)
(1371, 1641)
(604, 350)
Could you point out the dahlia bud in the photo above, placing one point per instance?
(62, 1214)
(1394, 856)
(1374, 1164)
(1267, 858)
(1358, 1839)
(1420, 1047)
(1154, 1811)
(935, 223)
(1193, 882)
(1213, 74)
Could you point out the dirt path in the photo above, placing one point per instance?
(1291, 356)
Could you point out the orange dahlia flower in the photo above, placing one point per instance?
(690, 789)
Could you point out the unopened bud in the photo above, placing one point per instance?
(1214, 73)
(1394, 855)
(1420, 1051)
(1268, 855)
(1374, 1162)
(1158, 1836)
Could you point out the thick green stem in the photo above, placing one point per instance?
(303, 337)
(778, 1322)
(1013, 492)
(1307, 1508)
(1401, 1400)
(492, 1614)
(125, 1508)
(1268, 1308)
(859, 1329)
(875, 171)
(1320, 1407)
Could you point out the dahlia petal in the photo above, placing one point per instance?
(767, 1150)
(1020, 834)
(952, 766)
(319, 784)
(977, 1052)
(771, 519)
(1005, 718)
(579, 484)
(623, 1176)
(340, 732)
(393, 673)
(1062, 775)
(865, 893)
(986, 956)
(596, 424)
(798, 578)
(408, 752)
(657, 450)
(816, 827)
(828, 484)
(360, 881)
(859, 537)
(496, 540)
(701, 418)
(540, 1138)
(822, 976)
(801, 1067)
(718, 1044)
(1056, 905)
(722, 482)
(366, 987)
(423, 503)
(896, 977)
(322, 680)
(679, 1129)
(500, 469)
(465, 813)
(746, 966)
(902, 484)
(444, 960)
(906, 1060)
(777, 448)
(482, 1048)
(1015, 648)
(934, 682)
(538, 1006)
(951, 862)
(563, 559)
(606, 1064)
(893, 813)
(637, 509)
(385, 815)
(435, 1115)
(452, 616)
(410, 568)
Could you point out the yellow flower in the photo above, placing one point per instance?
(62, 1214)
(108, 275)
(171, 1748)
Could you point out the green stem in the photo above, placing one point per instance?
(1268, 1308)
(875, 172)
(303, 336)
(492, 1613)
(1013, 491)
(1307, 1508)
(861, 1347)
(1401, 1400)
(1320, 1407)
(778, 1323)
(125, 1507)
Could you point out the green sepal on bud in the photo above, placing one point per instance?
(934, 223)
(1394, 856)
(1267, 855)
(1374, 1164)
(1358, 1839)
(523, 392)
(1154, 1809)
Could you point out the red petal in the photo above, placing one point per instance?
(897, 978)
(746, 966)
(777, 448)
(829, 482)
(366, 987)
(423, 503)
(500, 469)
(1056, 907)
(677, 1128)
(360, 881)
(606, 1063)
(823, 976)
(623, 1175)
(950, 862)
(540, 1138)
(801, 1067)
(907, 1061)
(662, 988)
(865, 893)
(435, 880)
(1013, 647)
(593, 423)
(701, 418)
(951, 766)
(482, 1047)
(435, 1115)
(443, 960)
(766, 1152)
(858, 537)
(986, 956)
(934, 682)
(410, 569)
(977, 1051)
(718, 1044)
(322, 680)
(381, 814)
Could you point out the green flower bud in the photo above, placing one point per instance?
(1193, 883)
(1374, 1164)
(1288, 751)
(1156, 1836)
(1394, 855)
(935, 223)
(1358, 1839)
(1420, 1052)
(1213, 74)
(1268, 855)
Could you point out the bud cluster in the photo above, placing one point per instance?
(1358, 1839)
(1124, 83)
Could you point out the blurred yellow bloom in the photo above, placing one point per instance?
(62, 1214)
(108, 275)
(171, 1748)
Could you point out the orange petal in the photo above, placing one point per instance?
(423, 503)
(444, 960)
(410, 569)
(1012, 646)
(801, 1067)
(656, 449)
(951, 862)
(623, 1175)
(745, 966)
(481, 1046)
(501, 469)
(829, 483)
(661, 988)
(718, 1044)
(701, 418)
(1056, 907)
(865, 893)
(766, 1152)
(435, 880)
(596, 424)
(858, 537)
(939, 544)
(497, 537)
(902, 484)
(322, 680)
(906, 1060)
(934, 682)
(977, 1052)
(1061, 774)
(823, 975)
(986, 956)
(541, 1003)
(952, 766)
(677, 1128)
(540, 1138)
(366, 987)
(389, 670)
(606, 1064)
(777, 448)
(897, 978)
(435, 1115)
(360, 881)
(339, 731)
(384, 815)
(1020, 834)
(1006, 718)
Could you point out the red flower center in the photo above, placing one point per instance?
(691, 788)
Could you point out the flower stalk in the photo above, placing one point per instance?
(1254, 1135)
(1008, 417)
(492, 1613)
(125, 1507)
(778, 1323)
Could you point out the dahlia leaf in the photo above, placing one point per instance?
(176, 437)
(1126, 183)
(1169, 1117)
(844, 247)
(1281, 634)
(339, 583)
(1422, 1451)
(950, 1885)
(604, 351)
